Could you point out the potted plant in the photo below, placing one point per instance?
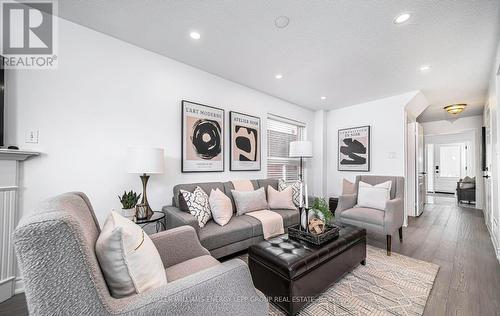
(129, 201)
(318, 210)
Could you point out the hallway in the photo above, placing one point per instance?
(455, 238)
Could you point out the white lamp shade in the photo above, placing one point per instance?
(301, 148)
(145, 160)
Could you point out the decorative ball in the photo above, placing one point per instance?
(316, 226)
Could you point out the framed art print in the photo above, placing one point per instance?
(354, 149)
(202, 138)
(245, 147)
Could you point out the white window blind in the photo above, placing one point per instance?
(280, 132)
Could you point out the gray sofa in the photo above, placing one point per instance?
(386, 221)
(241, 231)
(55, 248)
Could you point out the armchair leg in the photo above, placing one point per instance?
(401, 234)
(389, 242)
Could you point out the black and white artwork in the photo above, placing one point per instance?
(244, 142)
(354, 149)
(202, 138)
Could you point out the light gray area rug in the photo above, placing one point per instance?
(387, 285)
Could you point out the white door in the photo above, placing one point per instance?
(448, 166)
(487, 171)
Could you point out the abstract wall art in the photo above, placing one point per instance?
(244, 142)
(354, 149)
(202, 138)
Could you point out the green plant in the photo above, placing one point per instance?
(321, 205)
(129, 200)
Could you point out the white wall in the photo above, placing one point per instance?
(387, 120)
(493, 103)
(107, 95)
(465, 129)
(457, 126)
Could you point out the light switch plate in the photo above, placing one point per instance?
(391, 155)
(31, 136)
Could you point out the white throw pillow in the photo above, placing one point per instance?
(280, 199)
(374, 196)
(248, 201)
(128, 258)
(198, 204)
(282, 185)
(221, 207)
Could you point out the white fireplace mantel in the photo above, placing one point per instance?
(10, 161)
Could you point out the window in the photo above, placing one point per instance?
(280, 132)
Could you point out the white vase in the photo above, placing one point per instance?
(128, 213)
(312, 214)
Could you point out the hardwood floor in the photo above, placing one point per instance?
(455, 238)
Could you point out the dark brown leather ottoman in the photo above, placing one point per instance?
(292, 273)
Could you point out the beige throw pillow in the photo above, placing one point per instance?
(374, 196)
(221, 207)
(128, 258)
(248, 201)
(280, 199)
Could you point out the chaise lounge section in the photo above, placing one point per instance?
(240, 233)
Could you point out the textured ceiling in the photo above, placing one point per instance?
(349, 51)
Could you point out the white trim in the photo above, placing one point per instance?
(19, 286)
(496, 246)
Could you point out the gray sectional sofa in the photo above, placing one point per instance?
(241, 231)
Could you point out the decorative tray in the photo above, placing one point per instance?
(331, 232)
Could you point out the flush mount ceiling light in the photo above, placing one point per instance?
(425, 68)
(323, 98)
(195, 35)
(455, 108)
(402, 18)
(281, 21)
(278, 76)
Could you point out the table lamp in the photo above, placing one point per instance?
(145, 161)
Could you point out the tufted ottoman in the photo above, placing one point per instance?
(292, 273)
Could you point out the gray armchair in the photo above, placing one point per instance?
(55, 248)
(381, 221)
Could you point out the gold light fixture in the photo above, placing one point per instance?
(455, 108)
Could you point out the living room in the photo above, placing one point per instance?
(118, 101)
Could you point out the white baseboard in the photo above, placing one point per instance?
(496, 245)
(19, 286)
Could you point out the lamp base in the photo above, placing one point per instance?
(149, 211)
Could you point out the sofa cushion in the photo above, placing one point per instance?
(228, 186)
(206, 186)
(365, 215)
(264, 183)
(290, 217)
(191, 266)
(282, 185)
(248, 201)
(221, 207)
(374, 196)
(198, 205)
(280, 199)
(214, 236)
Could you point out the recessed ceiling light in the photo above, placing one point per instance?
(425, 68)
(195, 35)
(323, 98)
(278, 76)
(282, 21)
(402, 18)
